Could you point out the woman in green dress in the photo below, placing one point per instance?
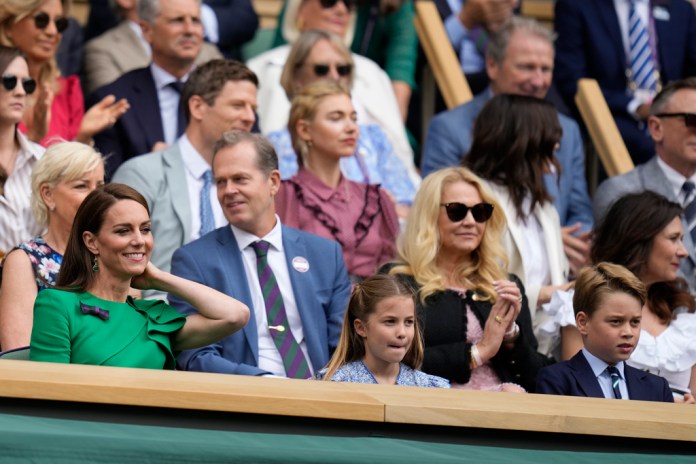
(90, 319)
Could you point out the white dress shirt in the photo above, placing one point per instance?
(676, 181)
(599, 368)
(169, 100)
(269, 356)
(195, 166)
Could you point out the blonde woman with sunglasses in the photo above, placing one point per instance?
(476, 324)
(56, 110)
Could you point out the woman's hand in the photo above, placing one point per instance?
(546, 292)
(40, 117)
(101, 116)
(149, 279)
(501, 318)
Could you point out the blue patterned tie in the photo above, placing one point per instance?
(642, 62)
(293, 358)
(690, 208)
(207, 218)
(615, 379)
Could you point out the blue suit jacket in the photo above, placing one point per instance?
(139, 128)
(449, 139)
(321, 294)
(589, 44)
(576, 378)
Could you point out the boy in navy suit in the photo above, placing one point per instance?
(608, 302)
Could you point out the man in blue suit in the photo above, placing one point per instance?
(309, 270)
(520, 61)
(593, 42)
(155, 120)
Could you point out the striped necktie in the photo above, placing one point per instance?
(690, 208)
(641, 60)
(615, 379)
(206, 212)
(293, 358)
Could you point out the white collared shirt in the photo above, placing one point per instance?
(622, 7)
(169, 100)
(195, 166)
(17, 223)
(676, 181)
(269, 356)
(599, 369)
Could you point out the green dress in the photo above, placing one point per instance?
(79, 328)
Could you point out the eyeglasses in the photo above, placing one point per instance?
(326, 4)
(689, 118)
(458, 211)
(41, 21)
(322, 70)
(9, 81)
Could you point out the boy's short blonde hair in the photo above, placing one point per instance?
(594, 283)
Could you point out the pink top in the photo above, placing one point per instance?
(360, 217)
(67, 110)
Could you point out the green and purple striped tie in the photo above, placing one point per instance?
(293, 359)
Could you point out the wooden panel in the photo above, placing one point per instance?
(541, 10)
(440, 54)
(185, 390)
(602, 128)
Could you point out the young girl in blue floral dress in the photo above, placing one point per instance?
(380, 341)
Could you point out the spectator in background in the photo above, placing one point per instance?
(57, 109)
(519, 61)
(60, 181)
(123, 48)
(374, 160)
(174, 31)
(594, 41)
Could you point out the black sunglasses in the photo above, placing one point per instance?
(689, 118)
(42, 19)
(321, 70)
(458, 211)
(9, 81)
(326, 4)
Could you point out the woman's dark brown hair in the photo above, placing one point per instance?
(513, 144)
(76, 270)
(626, 236)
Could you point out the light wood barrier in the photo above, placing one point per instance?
(362, 404)
(440, 54)
(602, 128)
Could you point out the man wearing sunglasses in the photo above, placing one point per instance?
(174, 31)
(672, 173)
(520, 61)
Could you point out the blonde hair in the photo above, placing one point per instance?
(64, 161)
(595, 283)
(419, 245)
(300, 51)
(363, 302)
(304, 108)
(13, 11)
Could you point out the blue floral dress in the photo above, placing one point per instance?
(357, 372)
(44, 260)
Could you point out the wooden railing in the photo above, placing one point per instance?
(605, 136)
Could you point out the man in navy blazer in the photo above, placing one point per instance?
(174, 30)
(590, 44)
(520, 61)
(309, 269)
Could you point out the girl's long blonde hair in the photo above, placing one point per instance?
(420, 244)
(363, 301)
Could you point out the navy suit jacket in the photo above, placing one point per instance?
(321, 294)
(139, 128)
(576, 378)
(449, 139)
(589, 44)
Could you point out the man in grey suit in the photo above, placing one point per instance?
(219, 96)
(672, 125)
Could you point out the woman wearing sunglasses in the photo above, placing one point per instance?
(514, 140)
(372, 91)
(360, 217)
(318, 55)
(56, 110)
(477, 329)
(17, 154)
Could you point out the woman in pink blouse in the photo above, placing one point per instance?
(360, 217)
(56, 110)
